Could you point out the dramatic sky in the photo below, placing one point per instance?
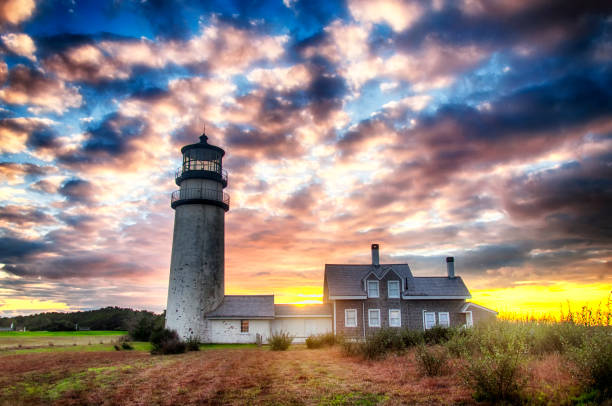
(480, 129)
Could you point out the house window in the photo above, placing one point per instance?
(350, 317)
(393, 288)
(444, 319)
(429, 319)
(244, 326)
(372, 288)
(469, 322)
(395, 318)
(374, 317)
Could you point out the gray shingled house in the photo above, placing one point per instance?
(365, 298)
(357, 300)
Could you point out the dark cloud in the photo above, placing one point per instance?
(43, 138)
(108, 142)
(14, 250)
(305, 200)
(20, 216)
(574, 199)
(78, 191)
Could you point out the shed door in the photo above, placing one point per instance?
(430, 320)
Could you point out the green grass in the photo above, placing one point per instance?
(138, 346)
(60, 333)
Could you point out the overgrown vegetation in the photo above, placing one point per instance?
(322, 340)
(166, 341)
(432, 360)
(280, 341)
(192, 344)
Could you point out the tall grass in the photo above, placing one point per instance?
(586, 316)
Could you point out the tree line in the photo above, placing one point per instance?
(108, 318)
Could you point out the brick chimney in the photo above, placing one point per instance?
(375, 257)
(450, 267)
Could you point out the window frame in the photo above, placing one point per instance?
(425, 313)
(346, 318)
(244, 322)
(370, 318)
(399, 311)
(396, 282)
(377, 288)
(447, 319)
(470, 322)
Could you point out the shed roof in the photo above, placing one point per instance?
(244, 307)
(288, 310)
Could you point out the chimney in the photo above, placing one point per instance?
(375, 260)
(450, 267)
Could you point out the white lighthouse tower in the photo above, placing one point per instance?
(197, 267)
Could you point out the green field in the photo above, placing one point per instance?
(37, 339)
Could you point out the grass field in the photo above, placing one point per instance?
(241, 375)
(31, 339)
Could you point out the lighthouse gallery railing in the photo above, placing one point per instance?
(200, 193)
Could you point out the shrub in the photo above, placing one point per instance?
(411, 338)
(280, 341)
(117, 348)
(352, 347)
(126, 346)
(320, 340)
(193, 344)
(166, 341)
(495, 371)
(594, 362)
(438, 335)
(463, 343)
(432, 361)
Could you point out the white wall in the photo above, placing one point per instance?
(302, 327)
(228, 331)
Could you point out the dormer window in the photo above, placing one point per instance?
(393, 288)
(373, 289)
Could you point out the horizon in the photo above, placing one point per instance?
(468, 129)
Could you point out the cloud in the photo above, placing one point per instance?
(398, 14)
(13, 172)
(15, 11)
(220, 49)
(23, 216)
(29, 86)
(78, 191)
(20, 44)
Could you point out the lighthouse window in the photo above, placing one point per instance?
(244, 326)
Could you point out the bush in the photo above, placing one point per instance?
(321, 340)
(594, 362)
(496, 370)
(126, 346)
(438, 335)
(280, 341)
(463, 343)
(193, 344)
(412, 338)
(352, 347)
(432, 361)
(166, 341)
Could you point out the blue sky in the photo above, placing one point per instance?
(474, 128)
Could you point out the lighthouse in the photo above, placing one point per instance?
(197, 264)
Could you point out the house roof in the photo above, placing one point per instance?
(437, 286)
(244, 306)
(290, 310)
(477, 306)
(346, 279)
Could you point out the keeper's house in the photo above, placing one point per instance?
(358, 300)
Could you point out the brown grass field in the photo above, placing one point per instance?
(242, 376)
